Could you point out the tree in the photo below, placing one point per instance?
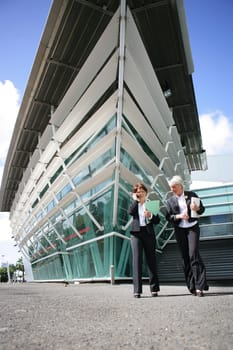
(20, 268)
(19, 264)
(3, 274)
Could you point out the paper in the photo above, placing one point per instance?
(153, 206)
(195, 200)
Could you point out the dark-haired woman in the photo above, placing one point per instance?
(143, 239)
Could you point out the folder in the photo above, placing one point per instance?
(153, 206)
(195, 200)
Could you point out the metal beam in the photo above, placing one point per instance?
(102, 9)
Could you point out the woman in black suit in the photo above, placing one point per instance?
(183, 209)
(143, 238)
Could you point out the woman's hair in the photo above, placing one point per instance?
(139, 185)
(176, 180)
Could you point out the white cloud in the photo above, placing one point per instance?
(217, 133)
(5, 227)
(7, 244)
(9, 103)
(9, 253)
(9, 107)
(7, 247)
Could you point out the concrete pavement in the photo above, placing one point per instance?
(37, 316)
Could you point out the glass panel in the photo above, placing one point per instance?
(219, 209)
(130, 164)
(142, 175)
(94, 166)
(100, 208)
(123, 205)
(52, 268)
(216, 219)
(217, 230)
(106, 129)
(140, 141)
(66, 189)
(219, 199)
(122, 258)
(94, 260)
(85, 173)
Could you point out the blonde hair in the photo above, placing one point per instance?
(176, 180)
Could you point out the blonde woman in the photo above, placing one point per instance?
(183, 210)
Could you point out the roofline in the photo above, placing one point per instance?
(185, 35)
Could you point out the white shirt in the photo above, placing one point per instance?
(141, 210)
(184, 210)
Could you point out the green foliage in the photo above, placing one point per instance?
(19, 264)
(12, 268)
(3, 274)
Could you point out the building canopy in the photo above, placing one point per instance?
(72, 30)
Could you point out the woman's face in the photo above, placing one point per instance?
(177, 189)
(141, 193)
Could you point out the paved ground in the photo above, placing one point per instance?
(104, 316)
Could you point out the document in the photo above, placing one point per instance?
(153, 206)
(195, 200)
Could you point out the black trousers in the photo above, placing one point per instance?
(144, 241)
(194, 268)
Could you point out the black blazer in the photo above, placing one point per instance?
(173, 208)
(133, 211)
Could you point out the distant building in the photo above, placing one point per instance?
(219, 172)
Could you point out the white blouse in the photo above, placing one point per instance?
(141, 210)
(184, 210)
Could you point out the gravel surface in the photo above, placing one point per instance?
(35, 316)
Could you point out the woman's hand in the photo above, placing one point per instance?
(135, 197)
(183, 216)
(194, 207)
(147, 214)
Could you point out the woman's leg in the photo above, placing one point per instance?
(197, 265)
(136, 245)
(150, 254)
(183, 244)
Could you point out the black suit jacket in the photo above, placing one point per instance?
(173, 208)
(133, 211)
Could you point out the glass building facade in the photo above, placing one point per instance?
(217, 221)
(112, 128)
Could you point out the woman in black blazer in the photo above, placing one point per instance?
(183, 209)
(143, 238)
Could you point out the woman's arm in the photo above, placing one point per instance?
(133, 208)
(171, 214)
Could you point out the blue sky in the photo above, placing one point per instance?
(210, 31)
(21, 26)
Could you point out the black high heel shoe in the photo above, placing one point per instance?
(199, 293)
(193, 292)
(137, 295)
